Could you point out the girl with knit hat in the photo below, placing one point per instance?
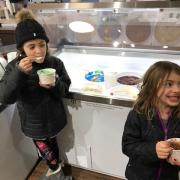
(40, 106)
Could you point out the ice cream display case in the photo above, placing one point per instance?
(108, 73)
(106, 49)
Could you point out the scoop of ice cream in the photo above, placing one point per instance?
(92, 88)
(46, 71)
(38, 59)
(124, 91)
(175, 143)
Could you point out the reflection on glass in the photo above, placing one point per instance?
(81, 27)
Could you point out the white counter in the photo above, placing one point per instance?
(18, 154)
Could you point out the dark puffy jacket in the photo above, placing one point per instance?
(138, 143)
(41, 110)
(16, 1)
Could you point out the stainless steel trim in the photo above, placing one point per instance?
(105, 49)
(102, 100)
(112, 5)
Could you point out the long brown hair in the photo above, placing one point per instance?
(152, 80)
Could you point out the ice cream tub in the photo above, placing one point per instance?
(47, 75)
(175, 154)
(175, 144)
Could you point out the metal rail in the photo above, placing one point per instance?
(111, 5)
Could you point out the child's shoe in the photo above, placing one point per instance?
(51, 172)
(59, 176)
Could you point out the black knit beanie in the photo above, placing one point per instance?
(29, 29)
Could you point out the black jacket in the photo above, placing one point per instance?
(138, 143)
(41, 110)
(16, 1)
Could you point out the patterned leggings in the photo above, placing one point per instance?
(49, 151)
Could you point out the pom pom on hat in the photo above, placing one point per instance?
(28, 28)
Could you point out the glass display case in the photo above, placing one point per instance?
(107, 47)
(150, 25)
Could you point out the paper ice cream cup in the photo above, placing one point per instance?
(47, 75)
(175, 154)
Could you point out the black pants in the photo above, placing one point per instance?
(49, 151)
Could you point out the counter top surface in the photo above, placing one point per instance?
(8, 21)
(7, 29)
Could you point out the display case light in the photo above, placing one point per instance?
(81, 27)
(165, 46)
(61, 27)
(115, 43)
(146, 9)
(122, 53)
(84, 51)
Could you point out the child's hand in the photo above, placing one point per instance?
(25, 64)
(173, 161)
(163, 149)
(47, 86)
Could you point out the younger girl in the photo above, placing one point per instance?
(40, 106)
(154, 119)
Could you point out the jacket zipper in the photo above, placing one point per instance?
(165, 129)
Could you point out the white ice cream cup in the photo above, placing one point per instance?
(175, 154)
(47, 75)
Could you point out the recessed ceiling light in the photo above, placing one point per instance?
(81, 27)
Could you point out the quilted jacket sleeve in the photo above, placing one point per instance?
(133, 143)
(63, 81)
(10, 84)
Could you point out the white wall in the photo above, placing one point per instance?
(17, 153)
